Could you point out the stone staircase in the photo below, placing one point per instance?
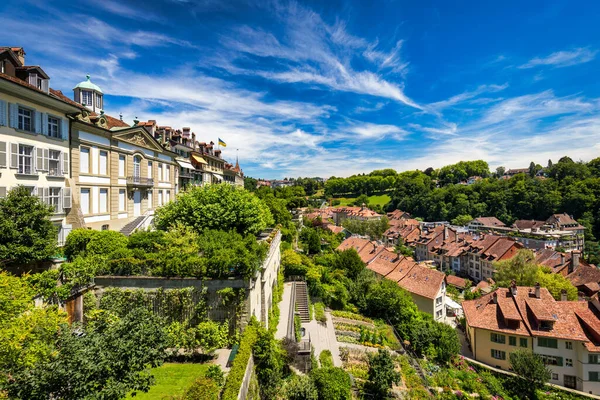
(302, 301)
(131, 226)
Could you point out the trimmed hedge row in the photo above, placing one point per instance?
(238, 369)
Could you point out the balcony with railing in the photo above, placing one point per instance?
(140, 181)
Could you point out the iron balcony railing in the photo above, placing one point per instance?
(139, 181)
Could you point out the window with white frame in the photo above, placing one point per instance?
(25, 121)
(84, 198)
(554, 376)
(121, 165)
(84, 160)
(54, 194)
(121, 199)
(86, 98)
(438, 301)
(25, 163)
(103, 169)
(569, 362)
(498, 354)
(569, 345)
(54, 163)
(160, 200)
(103, 201)
(149, 169)
(168, 173)
(168, 196)
(150, 194)
(53, 127)
(160, 172)
(137, 168)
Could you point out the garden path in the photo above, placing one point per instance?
(284, 311)
(221, 359)
(323, 338)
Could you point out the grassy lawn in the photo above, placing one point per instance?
(172, 379)
(382, 200)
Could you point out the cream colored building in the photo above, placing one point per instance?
(566, 334)
(121, 172)
(34, 136)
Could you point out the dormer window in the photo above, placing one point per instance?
(98, 101)
(86, 98)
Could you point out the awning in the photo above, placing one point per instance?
(185, 164)
(199, 159)
(452, 304)
(218, 176)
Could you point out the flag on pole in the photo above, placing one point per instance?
(222, 143)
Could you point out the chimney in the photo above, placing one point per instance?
(495, 298)
(537, 290)
(563, 295)
(445, 233)
(513, 288)
(20, 53)
(575, 254)
(580, 296)
(562, 258)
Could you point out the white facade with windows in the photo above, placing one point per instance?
(34, 147)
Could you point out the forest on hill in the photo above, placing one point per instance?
(442, 195)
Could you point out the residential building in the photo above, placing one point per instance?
(356, 213)
(426, 286)
(566, 334)
(121, 172)
(485, 222)
(34, 136)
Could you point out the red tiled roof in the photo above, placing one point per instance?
(334, 228)
(423, 281)
(384, 262)
(490, 221)
(353, 242)
(528, 224)
(456, 281)
(403, 268)
(584, 274)
(356, 211)
(369, 251)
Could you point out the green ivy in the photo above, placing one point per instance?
(238, 369)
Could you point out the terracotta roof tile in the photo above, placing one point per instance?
(490, 221)
(423, 281)
(456, 281)
(384, 262)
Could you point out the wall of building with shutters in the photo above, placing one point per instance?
(46, 168)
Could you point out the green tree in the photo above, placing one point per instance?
(26, 233)
(382, 374)
(269, 363)
(462, 220)
(110, 358)
(531, 371)
(522, 268)
(350, 262)
(311, 240)
(250, 184)
(332, 383)
(301, 387)
(215, 207)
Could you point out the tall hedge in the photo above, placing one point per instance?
(238, 369)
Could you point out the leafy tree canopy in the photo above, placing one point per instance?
(221, 207)
(26, 233)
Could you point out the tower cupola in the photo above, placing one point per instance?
(89, 94)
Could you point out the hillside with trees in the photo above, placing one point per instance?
(437, 195)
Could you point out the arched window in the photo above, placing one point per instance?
(137, 160)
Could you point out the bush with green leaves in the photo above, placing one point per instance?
(238, 369)
(221, 206)
(203, 388)
(326, 359)
(26, 233)
(382, 374)
(300, 387)
(332, 383)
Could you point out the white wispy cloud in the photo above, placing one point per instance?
(563, 58)
(378, 131)
(468, 95)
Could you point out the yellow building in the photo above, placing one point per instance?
(566, 334)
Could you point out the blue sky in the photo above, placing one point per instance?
(335, 87)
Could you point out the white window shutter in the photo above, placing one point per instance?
(65, 163)
(14, 115)
(64, 127)
(33, 79)
(3, 113)
(39, 159)
(47, 198)
(14, 155)
(37, 118)
(40, 194)
(44, 124)
(3, 154)
(66, 197)
(46, 159)
(46, 85)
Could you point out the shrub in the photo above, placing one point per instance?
(301, 388)
(238, 369)
(216, 374)
(104, 243)
(326, 359)
(332, 383)
(146, 240)
(77, 242)
(320, 312)
(203, 388)
(297, 328)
